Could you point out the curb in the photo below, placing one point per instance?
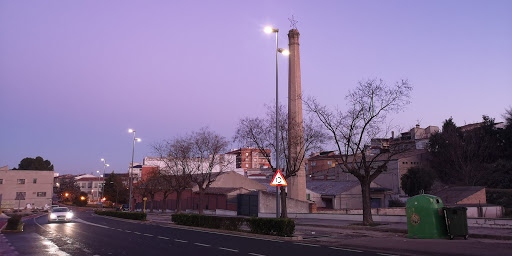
(171, 224)
(294, 238)
(403, 231)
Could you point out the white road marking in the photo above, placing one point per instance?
(255, 254)
(314, 245)
(137, 233)
(89, 223)
(148, 235)
(127, 231)
(385, 254)
(344, 249)
(202, 244)
(162, 237)
(225, 234)
(227, 249)
(183, 241)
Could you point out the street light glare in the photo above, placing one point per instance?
(131, 130)
(285, 52)
(138, 139)
(269, 29)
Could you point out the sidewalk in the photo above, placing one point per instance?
(5, 247)
(388, 227)
(388, 237)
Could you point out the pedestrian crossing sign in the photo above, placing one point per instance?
(278, 179)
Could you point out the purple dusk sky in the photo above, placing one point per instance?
(75, 75)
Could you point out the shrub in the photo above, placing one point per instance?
(81, 199)
(123, 215)
(215, 222)
(271, 226)
(13, 222)
(266, 226)
(501, 197)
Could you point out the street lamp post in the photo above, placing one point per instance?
(103, 186)
(269, 30)
(131, 167)
(99, 176)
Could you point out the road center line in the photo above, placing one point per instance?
(227, 249)
(344, 249)
(255, 254)
(148, 235)
(207, 245)
(385, 254)
(137, 233)
(183, 241)
(162, 237)
(314, 245)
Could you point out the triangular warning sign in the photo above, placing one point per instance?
(278, 179)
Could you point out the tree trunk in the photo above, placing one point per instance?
(201, 195)
(178, 201)
(164, 202)
(152, 200)
(367, 206)
(284, 210)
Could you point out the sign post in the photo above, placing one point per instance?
(278, 181)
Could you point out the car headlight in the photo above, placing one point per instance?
(69, 215)
(53, 216)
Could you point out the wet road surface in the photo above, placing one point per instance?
(89, 234)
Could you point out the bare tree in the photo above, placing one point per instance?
(176, 156)
(150, 186)
(207, 160)
(352, 130)
(260, 133)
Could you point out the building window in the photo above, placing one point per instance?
(1, 181)
(34, 180)
(313, 164)
(21, 181)
(329, 162)
(82, 185)
(90, 185)
(246, 165)
(41, 194)
(308, 196)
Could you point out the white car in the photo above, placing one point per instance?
(60, 214)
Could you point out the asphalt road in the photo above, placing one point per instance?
(89, 234)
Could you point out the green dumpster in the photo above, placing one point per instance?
(456, 219)
(425, 217)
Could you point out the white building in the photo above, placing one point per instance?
(229, 159)
(19, 188)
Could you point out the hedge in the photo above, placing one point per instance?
(123, 215)
(13, 222)
(266, 226)
(272, 226)
(216, 222)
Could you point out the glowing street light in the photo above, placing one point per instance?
(285, 52)
(131, 167)
(103, 185)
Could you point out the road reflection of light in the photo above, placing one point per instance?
(52, 249)
(64, 229)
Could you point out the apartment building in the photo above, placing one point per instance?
(91, 185)
(19, 188)
(250, 158)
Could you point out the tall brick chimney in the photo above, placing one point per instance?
(297, 184)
